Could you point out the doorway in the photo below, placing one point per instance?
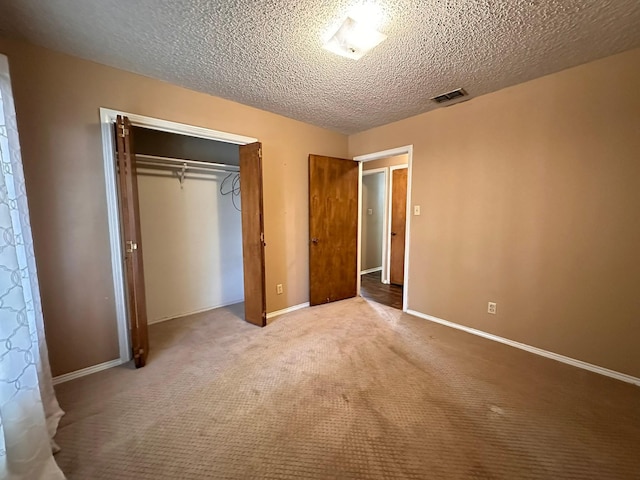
(333, 228)
(190, 223)
(384, 226)
(187, 205)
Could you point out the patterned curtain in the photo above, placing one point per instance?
(29, 411)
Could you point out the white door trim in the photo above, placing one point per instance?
(408, 150)
(107, 119)
(359, 233)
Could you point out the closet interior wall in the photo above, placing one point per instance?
(191, 232)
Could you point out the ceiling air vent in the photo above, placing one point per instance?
(452, 95)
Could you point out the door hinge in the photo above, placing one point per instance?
(131, 246)
(139, 353)
(124, 131)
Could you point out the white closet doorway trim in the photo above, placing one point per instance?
(107, 120)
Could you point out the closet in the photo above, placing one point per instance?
(189, 200)
(190, 245)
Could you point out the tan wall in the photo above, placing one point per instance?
(530, 199)
(385, 162)
(373, 194)
(57, 100)
(192, 239)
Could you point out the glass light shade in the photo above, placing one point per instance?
(353, 39)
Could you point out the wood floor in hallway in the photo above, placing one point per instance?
(372, 288)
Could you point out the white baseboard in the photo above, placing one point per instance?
(370, 270)
(114, 363)
(538, 351)
(86, 371)
(277, 313)
(206, 309)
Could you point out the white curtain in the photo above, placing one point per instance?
(29, 411)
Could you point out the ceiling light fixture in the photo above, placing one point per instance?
(354, 39)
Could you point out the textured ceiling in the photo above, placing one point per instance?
(269, 53)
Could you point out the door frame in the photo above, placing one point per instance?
(385, 216)
(393, 152)
(107, 118)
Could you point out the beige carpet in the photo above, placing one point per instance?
(347, 390)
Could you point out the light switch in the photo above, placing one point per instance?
(369, 211)
(416, 209)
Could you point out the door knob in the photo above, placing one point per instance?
(314, 240)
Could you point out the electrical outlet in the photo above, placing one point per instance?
(492, 307)
(369, 211)
(279, 289)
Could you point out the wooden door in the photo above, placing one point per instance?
(130, 217)
(398, 225)
(255, 303)
(333, 229)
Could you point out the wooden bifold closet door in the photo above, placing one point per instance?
(255, 303)
(130, 218)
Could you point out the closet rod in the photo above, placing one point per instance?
(141, 159)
